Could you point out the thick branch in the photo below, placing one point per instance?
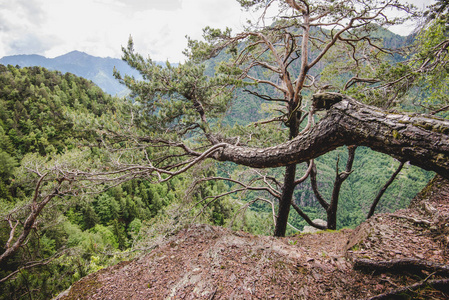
(422, 140)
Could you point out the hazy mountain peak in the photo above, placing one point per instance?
(76, 53)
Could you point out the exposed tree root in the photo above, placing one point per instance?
(407, 265)
(401, 265)
(438, 284)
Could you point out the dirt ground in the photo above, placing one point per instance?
(205, 262)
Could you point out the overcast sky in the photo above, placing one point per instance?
(100, 27)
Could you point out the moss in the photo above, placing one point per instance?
(440, 129)
(425, 126)
(396, 134)
(356, 247)
(440, 158)
(84, 288)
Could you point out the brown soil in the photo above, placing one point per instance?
(205, 262)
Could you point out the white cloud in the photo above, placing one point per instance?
(164, 36)
(100, 27)
(164, 5)
(409, 26)
(19, 21)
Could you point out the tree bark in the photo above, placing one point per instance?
(420, 139)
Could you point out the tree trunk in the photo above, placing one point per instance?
(289, 178)
(285, 200)
(339, 179)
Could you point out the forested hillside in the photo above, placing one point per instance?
(97, 69)
(75, 235)
(35, 105)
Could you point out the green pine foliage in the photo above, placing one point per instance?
(34, 103)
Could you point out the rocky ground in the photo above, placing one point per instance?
(404, 253)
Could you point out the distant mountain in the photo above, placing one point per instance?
(97, 69)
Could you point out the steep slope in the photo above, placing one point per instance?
(204, 262)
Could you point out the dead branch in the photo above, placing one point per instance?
(29, 224)
(244, 207)
(413, 220)
(244, 186)
(306, 174)
(313, 180)
(33, 265)
(444, 108)
(306, 217)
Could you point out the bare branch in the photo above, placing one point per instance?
(306, 174)
(306, 217)
(313, 173)
(33, 265)
(383, 189)
(444, 108)
(265, 97)
(244, 186)
(12, 232)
